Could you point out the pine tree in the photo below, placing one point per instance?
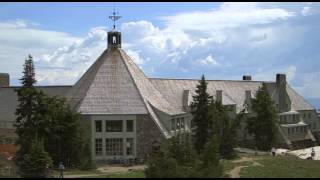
(201, 121)
(26, 122)
(36, 163)
(211, 167)
(263, 125)
(226, 130)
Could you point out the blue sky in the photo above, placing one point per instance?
(174, 40)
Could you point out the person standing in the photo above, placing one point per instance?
(313, 153)
(61, 169)
(273, 151)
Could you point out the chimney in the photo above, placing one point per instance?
(4, 80)
(281, 80)
(284, 104)
(219, 95)
(246, 78)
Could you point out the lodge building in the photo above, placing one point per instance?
(128, 113)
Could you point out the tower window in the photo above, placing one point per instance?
(114, 39)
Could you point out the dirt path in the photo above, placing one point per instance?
(235, 172)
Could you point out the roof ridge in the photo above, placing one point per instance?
(157, 78)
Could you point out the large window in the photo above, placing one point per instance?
(98, 125)
(178, 123)
(129, 146)
(114, 126)
(129, 125)
(182, 124)
(114, 146)
(98, 147)
(173, 124)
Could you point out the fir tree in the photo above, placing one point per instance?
(226, 130)
(36, 163)
(201, 121)
(263, 125)
(211, 167)
(26, 122)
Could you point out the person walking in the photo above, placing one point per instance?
(273, 151)
(61, 169)
(313, 153)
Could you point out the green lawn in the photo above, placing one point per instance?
(132, 174)
(282, 167)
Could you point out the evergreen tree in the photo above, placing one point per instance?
(201, 124)
(50, 119)
(62, 126)
(211, 167)
(36, 163)
(224, 129)
(175, 159)
(26, 121)
(263, 125)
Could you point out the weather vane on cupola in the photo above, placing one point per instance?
(114, 37)
(114, 17)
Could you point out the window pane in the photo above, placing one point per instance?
(114, 146)
(98, 147)
(113, 126)
(129, 146)
(178, 123)
(98, 126)
(182, 123)
(173, 124)
(129, 125)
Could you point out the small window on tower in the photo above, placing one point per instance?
(114, 39)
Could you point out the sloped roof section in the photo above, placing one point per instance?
(147, 89)
(233, 92)
(108, 88)
(297, 101)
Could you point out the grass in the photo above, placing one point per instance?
(282, 167)
(76, 171)
(131, 174)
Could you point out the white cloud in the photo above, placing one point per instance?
(260, 39)
(209, 60)
(305, 11)
(291, 71)
(20, 37)
(229, 15)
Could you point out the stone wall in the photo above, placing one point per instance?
(148, 134)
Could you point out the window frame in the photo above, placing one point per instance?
(112, 125)
(95, 124)
(100, 148)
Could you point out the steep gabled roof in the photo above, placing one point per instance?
(108, 88)
(115, 85)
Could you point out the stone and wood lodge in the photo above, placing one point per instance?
(128, 112)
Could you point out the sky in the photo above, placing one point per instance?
(168, 40)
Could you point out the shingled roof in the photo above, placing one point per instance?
(115, 85)
(233, 91)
